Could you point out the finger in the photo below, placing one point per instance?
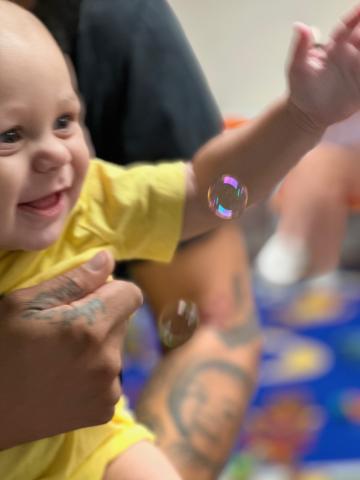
(302, 44)
(106, 311)
(355, 37)
(352, 18)
(120, 299)
(348, 23)
(70, 286)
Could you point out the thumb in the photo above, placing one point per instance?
(302, 43)
(71, 286)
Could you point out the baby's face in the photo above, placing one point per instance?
(43, 153)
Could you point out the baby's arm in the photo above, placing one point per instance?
(142, 461)
(324, 88)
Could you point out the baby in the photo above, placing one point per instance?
(58, 208)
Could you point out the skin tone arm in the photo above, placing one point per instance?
(60, 345)
(323, 89)
(224, 348)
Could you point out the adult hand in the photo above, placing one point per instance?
(60, 352)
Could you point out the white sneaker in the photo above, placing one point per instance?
(282, 260)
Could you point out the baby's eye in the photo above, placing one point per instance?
(10, 136)
(62, 122)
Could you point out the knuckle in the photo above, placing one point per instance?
(87, 337)
(109, 399)
(107, 369)
(77, 282)
(137, 294)
(130, 292)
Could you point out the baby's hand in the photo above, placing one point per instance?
(325, 80)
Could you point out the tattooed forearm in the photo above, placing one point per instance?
(238, 335)
(239, 332)
(152, 421)
(195, 460)
(198, 407)
(200, 393)
(237, 291)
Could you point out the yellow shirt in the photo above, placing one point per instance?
(136, 213)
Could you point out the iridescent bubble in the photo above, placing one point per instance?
(177, 323)
(227, 197)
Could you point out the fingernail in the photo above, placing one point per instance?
(97, 262)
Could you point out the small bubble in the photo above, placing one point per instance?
(227, 197)
(177, 323)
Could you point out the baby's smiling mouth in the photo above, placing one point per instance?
(49, 205)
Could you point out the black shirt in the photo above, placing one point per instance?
(145, 94)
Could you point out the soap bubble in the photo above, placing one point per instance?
(178, 322)
(227, 197)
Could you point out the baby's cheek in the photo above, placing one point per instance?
(82, 164)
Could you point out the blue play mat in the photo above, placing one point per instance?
(305, 415)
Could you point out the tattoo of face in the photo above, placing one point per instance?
(207, 405)
(195, 460)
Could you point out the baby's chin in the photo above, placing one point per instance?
(34, 242)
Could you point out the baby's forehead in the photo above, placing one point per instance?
(14, 17)
(18, 26)
(23, 52)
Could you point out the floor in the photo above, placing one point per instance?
(304, 421)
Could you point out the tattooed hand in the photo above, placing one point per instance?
(60, 352)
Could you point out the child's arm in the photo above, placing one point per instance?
(324, 88)
(142, 461)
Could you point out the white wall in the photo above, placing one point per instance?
(242, 44)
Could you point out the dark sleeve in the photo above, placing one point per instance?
(145, 93)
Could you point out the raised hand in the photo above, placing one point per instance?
(324, 80)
